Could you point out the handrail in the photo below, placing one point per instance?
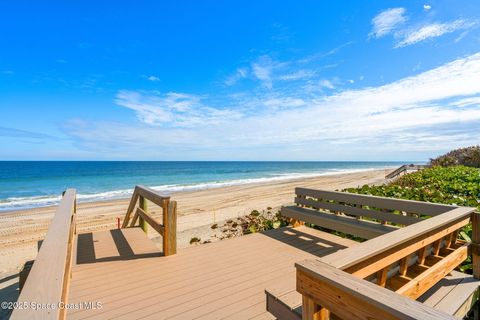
(168, 229)
(408, 261)
(404, 238)
(405, 168)
(350, 297)
(46, 288)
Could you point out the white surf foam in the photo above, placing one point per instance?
(20, 203)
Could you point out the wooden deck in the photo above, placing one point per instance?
(224, 279)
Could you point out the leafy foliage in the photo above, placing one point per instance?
(458, 185)
(469, 156)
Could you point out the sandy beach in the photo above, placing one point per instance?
(198, 210)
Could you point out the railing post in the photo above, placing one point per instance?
(476, 244)
(143, 205)
(170, 224)
(312, 311)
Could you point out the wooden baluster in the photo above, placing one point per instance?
(422, 254)
(436, 247)
(475, 244)
(455, 236)
(382, 276)
(143, 205)
(448, 241)
(403, 266)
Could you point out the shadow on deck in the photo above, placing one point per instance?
(114, 245)
(218, 280)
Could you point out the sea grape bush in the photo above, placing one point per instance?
(458, 185)
(469, 156)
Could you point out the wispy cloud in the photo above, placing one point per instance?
(434, 30)
(19, 133)
(240, 73)
(400, 115)
(153, 78)
(298, 75)
(263, 68)
(173, 109)
(386, 21)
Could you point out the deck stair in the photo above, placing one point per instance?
(406, 168)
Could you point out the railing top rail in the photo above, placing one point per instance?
(411, 206)
(45, 283)
(346, 258)
(149, 194)
(365, 300)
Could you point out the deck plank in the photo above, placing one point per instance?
(213, 281)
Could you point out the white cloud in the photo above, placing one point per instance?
(153, 78)
(240, 73)
(298, 75)
(386, 21)
(173, 109)
(427, 7)
(434, 30)
(262, 70)
(437, 106)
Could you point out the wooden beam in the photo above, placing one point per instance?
(350, 297)
(148, 219)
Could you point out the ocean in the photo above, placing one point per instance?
(32, 184)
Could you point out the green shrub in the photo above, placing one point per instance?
(458, 185)
(469, 156)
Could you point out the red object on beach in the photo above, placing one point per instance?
(118, 223)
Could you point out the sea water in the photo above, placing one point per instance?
(31, 184)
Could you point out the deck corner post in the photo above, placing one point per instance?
(170, 223)
(143, 205)
(170, 238)
(476, 244)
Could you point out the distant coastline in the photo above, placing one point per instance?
(27, 185)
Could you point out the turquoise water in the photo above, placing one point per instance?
(30, 184)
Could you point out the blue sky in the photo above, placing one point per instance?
(238, 80)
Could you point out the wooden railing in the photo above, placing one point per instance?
(387, 270)
(46, 289)
(404, 169)
(168, 229)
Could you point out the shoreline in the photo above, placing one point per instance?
(176, 189)
(197, 211)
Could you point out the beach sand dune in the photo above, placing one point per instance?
(198, 210)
